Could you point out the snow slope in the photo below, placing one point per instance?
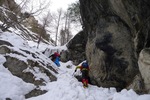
(68, 88)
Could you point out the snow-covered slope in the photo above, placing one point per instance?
(68, 88)
(14, 87)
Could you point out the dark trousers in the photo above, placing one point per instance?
(85, 74)
(85, 77)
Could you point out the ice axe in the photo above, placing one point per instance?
(73, 73)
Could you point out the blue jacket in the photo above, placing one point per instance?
(57, 61)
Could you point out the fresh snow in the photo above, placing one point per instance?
(12, 86)
(66, 87)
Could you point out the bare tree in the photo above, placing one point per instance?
(74, 11)
(46, 21)
(62, 37)
(75, 16)
(12, 16)
(66, 21)
(57, 20)
(42, 6)
(10, 12)
(67, 25)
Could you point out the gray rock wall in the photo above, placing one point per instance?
(76, 48)
(117, 31)
(144, 66)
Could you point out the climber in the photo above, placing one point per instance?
(55, 58)
(84, 68)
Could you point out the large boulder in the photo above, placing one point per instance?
(76, 48)
(117, 31)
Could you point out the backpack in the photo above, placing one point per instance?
(56, 54)
(53, 56)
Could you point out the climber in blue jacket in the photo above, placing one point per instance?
(57, 61)
(56, 58)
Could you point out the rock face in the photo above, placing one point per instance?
(29, 69)
(144, 66)
(138, 85)
(117, 31)
(76, 48)
(5, 43)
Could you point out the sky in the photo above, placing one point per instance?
(67, 87)
(53, 5)
(56, 4)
